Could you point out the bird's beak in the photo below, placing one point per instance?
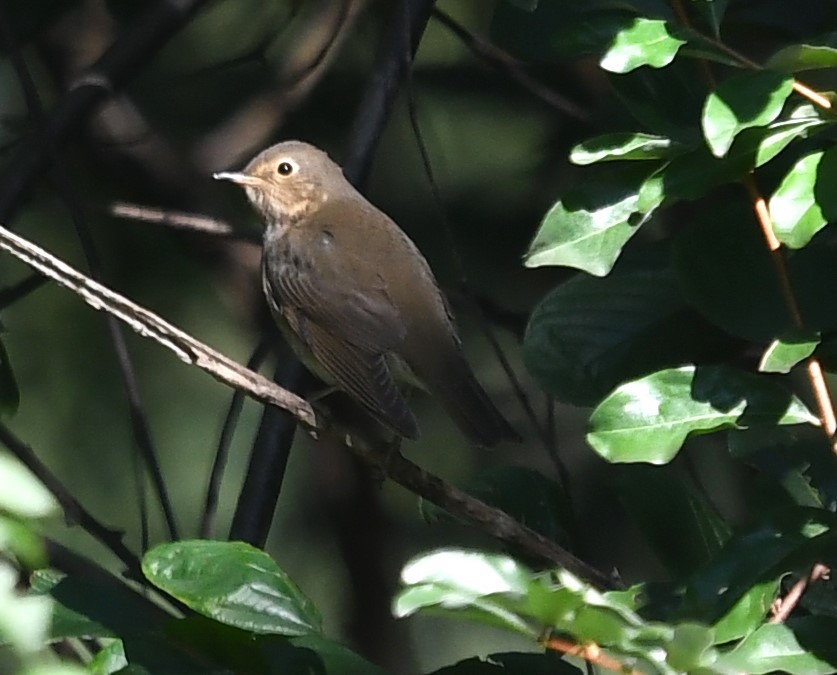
(238, 178)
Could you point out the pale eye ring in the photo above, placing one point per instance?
(286, 167)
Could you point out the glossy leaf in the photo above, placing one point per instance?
(590, 334)
(775, 647)
(752, 99)
(649, 419)
(747, 613)
(784, 353)
(799, 57)
(620, 146)
(234, 583)
(802, 204)
(777, 545)
(645, 42)
(780, 133)
(589, 225)
(560, 30)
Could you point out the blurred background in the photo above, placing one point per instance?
(242, 75)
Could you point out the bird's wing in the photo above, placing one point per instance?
(339, 308)
(364, 375)
(343, 294)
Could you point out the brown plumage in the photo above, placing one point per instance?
(355, 297)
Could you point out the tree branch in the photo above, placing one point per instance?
(148, 324)
(493, 521)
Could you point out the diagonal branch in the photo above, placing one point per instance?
(148, 324)
(493, 521)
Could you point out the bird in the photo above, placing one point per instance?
(354, 296)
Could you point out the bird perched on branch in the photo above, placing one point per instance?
(354, 296)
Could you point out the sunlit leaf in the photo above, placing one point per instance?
(799, 57)
(589, 225)
(747, 100)
(619, 146)
(234, 583)
(784, 353)
(645, 42)
(648, 420)
(802, 205)
(775, 647)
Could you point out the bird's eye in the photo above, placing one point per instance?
(286, 168)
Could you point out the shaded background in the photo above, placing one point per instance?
(242, 75)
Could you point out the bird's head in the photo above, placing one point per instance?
(288, 181)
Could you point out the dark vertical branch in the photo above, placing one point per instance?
(227, 431)
(268, 461)
(382, 88)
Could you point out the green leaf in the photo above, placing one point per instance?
(485, 587)
(24, 620)
(779, 134)
(110, 659)
(560, 30)
(789, 539)
(619, 146)
(682, 526)
(234, 583)
(803, 203)
(649, 419)
(589, 225)
(799, 57)
(21, 493)
(775, 647)
(752, 99)
(726, 273)
(799, 460)
(784, 353)
(747, 613)
(590, 334)
(645, 42)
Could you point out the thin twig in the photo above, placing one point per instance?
(783, 607)
(74, 512)
(148, 324)
(230, 421)
(813, 368)
(180, 220)
(468, 509)
(590, 652)
(485, 326)
(512, 67)
(816, 377)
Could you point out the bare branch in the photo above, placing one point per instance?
(461, 505)
(73, 510)
(148, 324)
(180, 220)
